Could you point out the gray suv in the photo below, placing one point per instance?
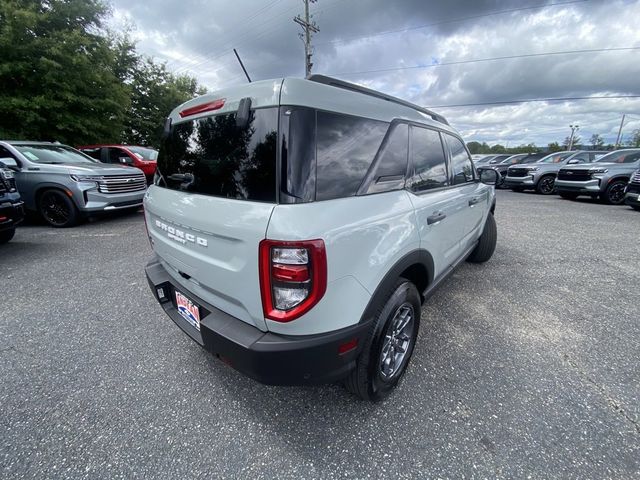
(606, 178)
(541, 176)
(63, 184)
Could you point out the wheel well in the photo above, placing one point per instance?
(43, 189)
(617, 179)
(418, 275)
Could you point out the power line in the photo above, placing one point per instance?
(492, 59)
(453, 20)
(531, 100)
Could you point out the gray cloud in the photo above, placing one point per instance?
(196, 37)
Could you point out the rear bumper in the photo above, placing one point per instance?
(266, 357)
(11, 214)
(589, 187)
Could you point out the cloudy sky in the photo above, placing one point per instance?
(423, 51)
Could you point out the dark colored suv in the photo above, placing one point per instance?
(11, 206)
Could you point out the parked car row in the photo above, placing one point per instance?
(608, 176)
(64, 185)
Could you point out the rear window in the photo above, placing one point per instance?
(212, 156)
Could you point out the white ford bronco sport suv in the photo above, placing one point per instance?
(298, 225)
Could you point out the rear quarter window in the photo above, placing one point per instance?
(346, 146)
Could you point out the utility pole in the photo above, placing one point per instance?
(574, 128)
(620, 131)
(309, 27)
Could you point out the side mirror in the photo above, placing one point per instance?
(126, 160)
(10, 163)
(489, 176)
(573, 162)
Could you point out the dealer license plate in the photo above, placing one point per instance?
(188, 310)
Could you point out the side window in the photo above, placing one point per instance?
(346, 146)
(115, 154)
(92, 152)
(631, 158)
(391, 165)
(461, 165)
(428, 160)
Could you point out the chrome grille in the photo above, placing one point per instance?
(635, 178)
(122, 183)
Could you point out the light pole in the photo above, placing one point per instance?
(574, 129)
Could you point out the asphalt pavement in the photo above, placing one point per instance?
(526, 367)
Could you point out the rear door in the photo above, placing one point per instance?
(471, 195)
(437, 206)
(212, 207)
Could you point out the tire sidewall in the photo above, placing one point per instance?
(378, 387)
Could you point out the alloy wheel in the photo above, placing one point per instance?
(397, 342)
(616, 193)
(55, 209)
(546, 185)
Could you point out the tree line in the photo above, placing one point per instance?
(596, 142)
(64, 76)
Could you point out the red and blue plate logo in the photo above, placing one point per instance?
(188, 310)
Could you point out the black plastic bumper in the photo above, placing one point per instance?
(11, 214)
(266, 357)
(629, 200)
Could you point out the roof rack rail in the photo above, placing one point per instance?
(334, 82)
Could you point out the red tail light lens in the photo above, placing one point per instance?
(204, 107)
(293, 277)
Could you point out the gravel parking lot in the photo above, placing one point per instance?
(528, 365)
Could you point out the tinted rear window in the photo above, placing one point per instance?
(212, 156)
(346, 146)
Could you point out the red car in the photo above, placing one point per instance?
(143, 158)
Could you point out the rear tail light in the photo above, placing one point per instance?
(293, 277)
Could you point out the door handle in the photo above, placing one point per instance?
(436, 217)
(473, 201)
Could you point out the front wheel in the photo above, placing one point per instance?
(392, 338)
(546, 185)
(57, 209)
(7, 235)
(614, 194)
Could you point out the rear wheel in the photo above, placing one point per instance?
(57, 209)
(568, 195)
(7, 235)
(487, 243)
(392, 338)
(614, 194)
(546, 185)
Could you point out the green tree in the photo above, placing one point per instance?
(634, 141)
(154, 93)
(497, 148)
(58, 75)
(577, 140)
(596, 141)
(554, 147)
(474, 147)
